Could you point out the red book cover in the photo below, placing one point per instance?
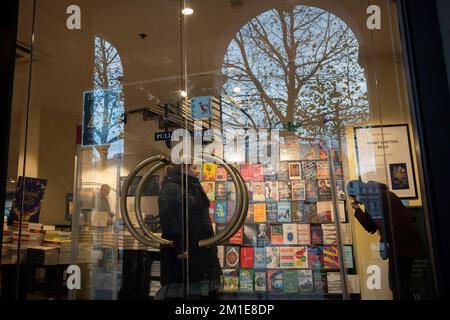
(258, 172)
(247, 257)
(237, 237)
(246, 172)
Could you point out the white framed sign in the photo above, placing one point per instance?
(384, 155)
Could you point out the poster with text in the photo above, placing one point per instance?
(384, 156)
(32, 193)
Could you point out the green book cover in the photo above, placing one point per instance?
(290, 281)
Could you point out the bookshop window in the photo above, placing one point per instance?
(305, 182)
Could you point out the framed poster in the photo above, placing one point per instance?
(384, 155)
(31, 191)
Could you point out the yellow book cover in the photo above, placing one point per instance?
(209, 172)
(259, 212)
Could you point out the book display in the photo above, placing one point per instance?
(288, 243)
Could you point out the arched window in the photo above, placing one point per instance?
(295, 69)
(108, 97)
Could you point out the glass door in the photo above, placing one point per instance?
(219, 149)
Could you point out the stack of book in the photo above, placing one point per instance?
(43, 256)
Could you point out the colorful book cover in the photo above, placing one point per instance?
(258, 191)
(329, 234)
(290, 234)
(289, 149)
(312, 191)
(304, 233)
(273, 257)
(305, 281)
(232, 256)
(284, 191)
(275, 281)
(324, 211)
(330, 257)
(230, 280)
(201, 107)
(298, 212)
(295, 171)
(263, 234)
(315, 257)
(323, 153)
(346, 234)
(246, 280)
(258, 172)
(260, 281)
(272, 212)
(260, 261)
(311, 213)
(210, 189)
(301, 257)
(276, 234)
(259, 212)
(290, 280)
(334, 283)
(309, 151)
(323, 170)
(316, 234)
(209, 172)
(287, 257)
(298, 190)
(283, 171)
(348, 257)
(250, 235)
(247, 256)
(31, 191)
(309, 170)
(221, 191)
(220, 212)
(222, 174)
(238, 237)
(271, 190)
(270, 172)
(284, 212)
(246, 171)
(324, 190)
(221, 255)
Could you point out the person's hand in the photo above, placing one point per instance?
(354, 204)
(183, 256)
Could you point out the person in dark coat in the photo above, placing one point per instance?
(185, 219)
(400, 241)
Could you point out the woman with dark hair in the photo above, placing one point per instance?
(187, 271)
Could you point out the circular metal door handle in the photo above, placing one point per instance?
(148, 238)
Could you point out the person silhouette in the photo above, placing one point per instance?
(185, 220)
(400, 240)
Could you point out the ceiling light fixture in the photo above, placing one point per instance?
(236, 90)
(187, 11)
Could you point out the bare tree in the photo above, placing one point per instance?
(108, 93)
(296, 69)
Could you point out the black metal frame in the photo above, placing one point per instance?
(430, 101)
(9, 10)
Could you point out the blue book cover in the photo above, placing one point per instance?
(260, 261)
(220, 212)
(201, 107)
(284, 212)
